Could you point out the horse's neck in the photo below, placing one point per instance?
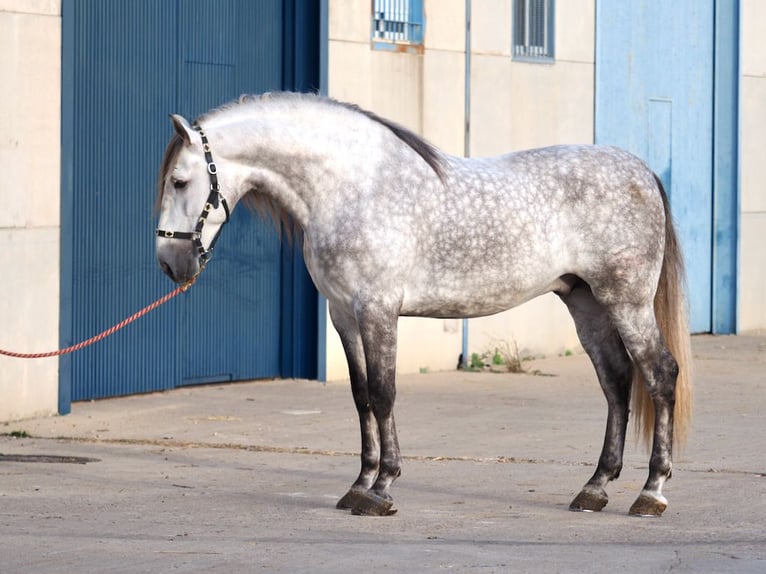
(305, 134)
(298, 159)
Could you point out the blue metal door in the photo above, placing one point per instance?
(655, 97)
(221, 57)
(126, 65)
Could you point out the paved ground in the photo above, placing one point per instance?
(244, 478)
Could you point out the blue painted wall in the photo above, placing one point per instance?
(126, 65)
(664, 91)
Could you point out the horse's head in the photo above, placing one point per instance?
(192, 207)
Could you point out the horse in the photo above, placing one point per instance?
(391, 226)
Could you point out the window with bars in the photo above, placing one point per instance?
(533, 30)
(397, 23)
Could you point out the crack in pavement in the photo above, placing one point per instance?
(171, 443)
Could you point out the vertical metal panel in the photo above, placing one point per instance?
(301, 326)
(224, 54)
(121, 88)
(303, 46)
(298, 351)
(322, 81)
(725, 166)
(654, 96)
(127, 64)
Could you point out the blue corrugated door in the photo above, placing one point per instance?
(656, 96)
(126, 65)
(220, 50)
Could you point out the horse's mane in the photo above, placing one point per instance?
(424, 149)
(263, 204)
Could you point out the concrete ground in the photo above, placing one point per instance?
(244, 478)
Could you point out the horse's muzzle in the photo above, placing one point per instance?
(177, 261)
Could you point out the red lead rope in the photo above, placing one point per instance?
(104, 334)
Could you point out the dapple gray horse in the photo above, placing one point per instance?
(392, 227)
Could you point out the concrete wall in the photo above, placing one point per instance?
(30, 101)
(514, 105)
(752, 246)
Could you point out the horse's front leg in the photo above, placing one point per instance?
(377, 326)
(345, 324)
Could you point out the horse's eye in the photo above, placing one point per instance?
(179, 183)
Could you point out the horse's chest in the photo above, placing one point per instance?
(344, 266)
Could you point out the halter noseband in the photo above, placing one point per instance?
(214, 199)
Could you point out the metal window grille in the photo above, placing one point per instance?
(533, 29)
(397, 21)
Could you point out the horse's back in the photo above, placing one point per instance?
(605, 207)
(575, 191)
(507, 228)
(580, 172)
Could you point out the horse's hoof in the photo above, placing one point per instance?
(589, 501)
(347, 501)
(648, 506)
(366, 503)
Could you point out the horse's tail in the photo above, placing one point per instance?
(670, 310)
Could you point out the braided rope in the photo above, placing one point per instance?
(103, 335)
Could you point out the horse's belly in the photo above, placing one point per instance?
(472, 296)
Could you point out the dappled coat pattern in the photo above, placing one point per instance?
(391, 226)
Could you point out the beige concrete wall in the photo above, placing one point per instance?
(514, 105)
(30, 66)
(519, 105)
(752, 246)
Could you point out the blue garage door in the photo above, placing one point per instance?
(126, 65)
(658, 93)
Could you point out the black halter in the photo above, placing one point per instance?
(214, 199)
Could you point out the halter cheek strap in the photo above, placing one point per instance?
(213, 201)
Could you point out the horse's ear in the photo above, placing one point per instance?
(182, 127)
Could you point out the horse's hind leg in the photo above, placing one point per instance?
(602, 342)
(352, 345)
(639, 330)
